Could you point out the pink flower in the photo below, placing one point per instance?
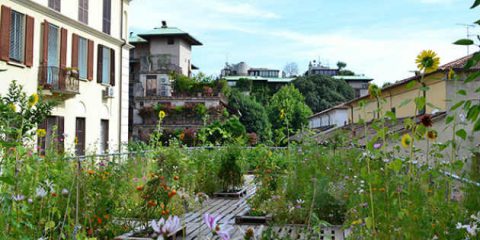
(165, 228)
(212, 223)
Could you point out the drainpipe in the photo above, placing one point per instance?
(120, 80)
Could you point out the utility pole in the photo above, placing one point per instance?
(467, 27)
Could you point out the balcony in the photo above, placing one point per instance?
(160, 63)
(57, 82)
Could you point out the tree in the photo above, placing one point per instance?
(323, 92)
(342, 71)
(290, 103)
(341, 65)
(291, 69)
(253, 114)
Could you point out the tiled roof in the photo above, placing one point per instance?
(354, 78)
(459, 64)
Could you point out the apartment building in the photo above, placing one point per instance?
(76, 52)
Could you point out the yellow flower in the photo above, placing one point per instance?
(12, 107)
(161, 115)
(432, 135)
(41, 133)
(76, 140)
(282, 114)
(427, 61)
(357, 222)
(451, 74)
(406, 140)
(33, 100)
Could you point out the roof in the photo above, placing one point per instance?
(258, 78)
(341, 106)
(354, 78)
(170, 32)
(456, 65)
(263, 69)
(136, 39)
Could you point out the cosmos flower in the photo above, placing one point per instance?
(212, 223)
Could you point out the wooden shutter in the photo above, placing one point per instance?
(60, 134)
(112, 67)
(74, 51)
(90, 60)
(43, 71)
(63, 57)
(99, 63)
(29, 28)
(5, 33)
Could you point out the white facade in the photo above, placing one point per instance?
(89, 102)
(331, 117)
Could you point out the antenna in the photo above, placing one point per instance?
(467, 27)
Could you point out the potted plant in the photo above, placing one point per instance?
(230, 175)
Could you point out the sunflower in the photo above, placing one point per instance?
(161, 115)
(33, 100)
(406, 140)
(432, 135)
(427, 61)
(41, 133)
(426, 120)
(374, 90)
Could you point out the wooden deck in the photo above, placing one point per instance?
(229, 208)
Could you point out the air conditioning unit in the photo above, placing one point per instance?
(109, 92)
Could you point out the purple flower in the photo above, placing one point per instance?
(212, 223)
(165, 228)
(101, 164)
(377, 145)
(18, 197)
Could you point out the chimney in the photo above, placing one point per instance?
(164, 24)
(131, 34)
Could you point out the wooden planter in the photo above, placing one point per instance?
(246, 218)
(238, 194)
(140, 235)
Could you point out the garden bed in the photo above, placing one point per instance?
(231, 194)
(247, 218)
(147, 235)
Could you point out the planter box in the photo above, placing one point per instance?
(246, 218)
(238, 194)
(141, 235)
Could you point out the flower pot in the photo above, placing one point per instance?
(233, 194)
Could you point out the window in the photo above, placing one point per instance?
(107, 12)
(106, 65)
(170, 41)
(54, 138)
(54, 4)
(82, 57)
(83, 11)
(103, 136)
(80, 136)
(151, 85)
(53, 53)
(17, 37)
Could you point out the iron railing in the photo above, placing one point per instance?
(59, 80)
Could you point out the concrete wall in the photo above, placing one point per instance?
(336, 117)
(90, 103)
(181, 51)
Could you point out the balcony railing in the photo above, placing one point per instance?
(161, 63)
(59, 80)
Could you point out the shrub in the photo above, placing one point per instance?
(230, 173)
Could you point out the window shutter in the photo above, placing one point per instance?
(90, 60)
(99, 63)
(74, 51)
(5, 33)
(63, 57)
(43, 71)
(60, 134)
(29, 28)
(112, 67)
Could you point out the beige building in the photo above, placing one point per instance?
(74, 51)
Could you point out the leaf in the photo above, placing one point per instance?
(449, 119)
(405, 102)
(425, 88)
(462, 92)
(457, 105)
(7, 180)
(475, 4)
(476, 128)
(395, 165)
(472, 77)
(411, 84)
(463, 42)
(473, 113)
(477, 22)
(462, 134)
(368, 222)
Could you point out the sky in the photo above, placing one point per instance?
(377, 38)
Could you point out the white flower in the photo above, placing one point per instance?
(41, 192)
(64, 192)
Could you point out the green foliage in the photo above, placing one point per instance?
(244, 85)
(252, 115)
(230, 173)
(322, 92)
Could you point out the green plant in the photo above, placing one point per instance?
(230, 173)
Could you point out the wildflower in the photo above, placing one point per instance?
(164, 228)
(406, 140)
(251, 234)
(41, 133)
(151, 203)
(451, 74)
(282, 114)
(33, 100)
(182, 136)
(377, 145)
(12, 107)
(172, 193)
(357, 222)
(201, 197)
(374, 90)
(30, 200)
(18, 197)
(427, 61)
(54, 194)
(300, 202)
(426, 120)
(139, 188)
(432, 135)
(41, 192)
(75, 141)
(215, 228)
(161, 115)
(91, 172)
(65, 192)
(176, 178)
